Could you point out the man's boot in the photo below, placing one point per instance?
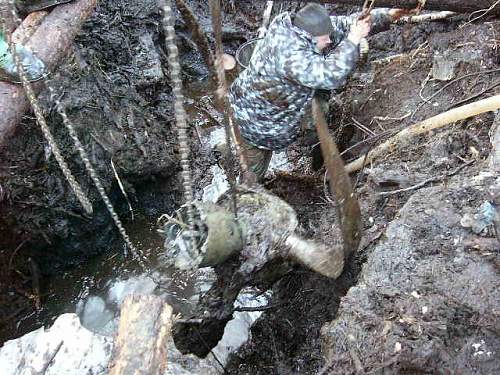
(28, 6)
(34, 68)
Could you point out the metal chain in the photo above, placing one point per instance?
(94, 176)
(75, 186)
(78, 145)
(180, 114)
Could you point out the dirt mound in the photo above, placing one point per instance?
(424, 302)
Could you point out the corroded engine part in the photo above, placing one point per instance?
(263, 231)
(267, 225)
(217, 237)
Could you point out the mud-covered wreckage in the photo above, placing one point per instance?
(250, 234)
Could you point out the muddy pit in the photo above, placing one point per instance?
(116, 90)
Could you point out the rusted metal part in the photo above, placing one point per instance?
(50, 42)
(347, 205)
(267, 224)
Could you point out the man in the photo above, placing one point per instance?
(269, 98)
(33, 67)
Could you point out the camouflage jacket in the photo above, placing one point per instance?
(269, 97)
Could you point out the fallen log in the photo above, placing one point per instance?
(50, 42)
(143, 336)
(443, 119)
(459, 6)
(28, 27)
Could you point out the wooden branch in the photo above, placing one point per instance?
(143, 335)
(198, 34)
(28, 27)
(427, 181)
(495, 143)
(50, 42)
(443, 119)
(460, 6)
(265, 19)
(439, 16)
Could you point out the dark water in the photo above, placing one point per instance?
(67, 292)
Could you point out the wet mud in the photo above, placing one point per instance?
(116, 91)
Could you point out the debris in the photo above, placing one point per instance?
(50, 44)
(445, 63)
(443, 119)
(397, 347)
(482, 219)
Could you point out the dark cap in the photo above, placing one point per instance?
(314, 19)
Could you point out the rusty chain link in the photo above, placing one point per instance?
(180, 115)
(75, 186)
(78, 145)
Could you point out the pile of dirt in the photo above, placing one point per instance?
(425, 303)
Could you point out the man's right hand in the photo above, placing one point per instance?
(360, 29)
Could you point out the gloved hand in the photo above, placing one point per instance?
(360, 29)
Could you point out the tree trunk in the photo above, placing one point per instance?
(460, 6)
(50, 42)
(143, 335)
(29, 26)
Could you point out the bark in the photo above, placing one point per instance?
(28, 27)
(50, 42)
(143, 337)
(460, 6)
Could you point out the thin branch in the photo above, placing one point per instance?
(427, 100)
(122, 188)
(485, 12)
(473, 96)
(425, 182)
